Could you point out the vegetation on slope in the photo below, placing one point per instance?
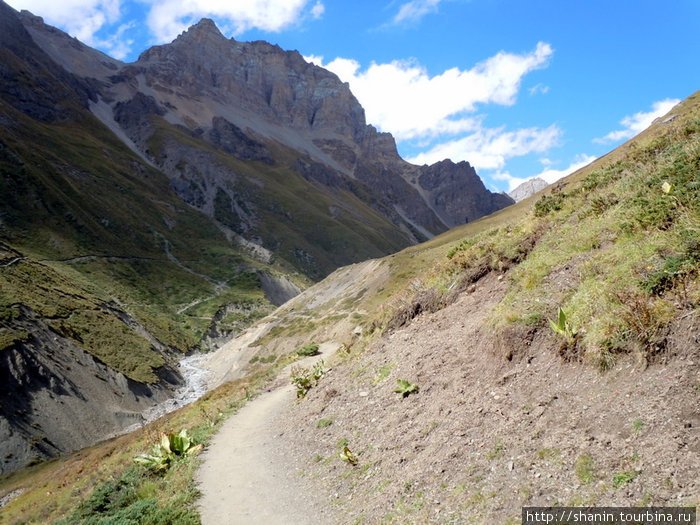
(596, 407)
(616, 246)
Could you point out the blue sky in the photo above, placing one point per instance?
(517, 88)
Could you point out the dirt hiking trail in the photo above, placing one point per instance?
(247, 477)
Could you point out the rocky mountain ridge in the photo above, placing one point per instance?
(203, 82)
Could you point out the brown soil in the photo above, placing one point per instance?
(243, 477)
(246, 476)
(499, 422)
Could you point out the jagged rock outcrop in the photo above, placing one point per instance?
(527, 189)
(457, 193)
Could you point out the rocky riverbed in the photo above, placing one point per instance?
(191, 369)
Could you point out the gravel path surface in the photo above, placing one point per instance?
(247, 478)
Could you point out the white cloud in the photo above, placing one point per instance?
(489, 149)
(548, 175)
(438, 104)
(634, 124)
(538, 88)
(117, 45)
(552, 175)
(80, 18)
(318, 9)
(402, 98)
(415, 10)
(168, 18)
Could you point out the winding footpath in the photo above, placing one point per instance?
(245, 477)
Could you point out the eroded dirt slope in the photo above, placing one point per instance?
(497, 423)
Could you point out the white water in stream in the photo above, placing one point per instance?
(195, 387)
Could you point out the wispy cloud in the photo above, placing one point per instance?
(80, 18)
(168, 18)
(440, 104)
(117, 44)
(489, 149)
(634, 124)
(84, 19)
(413, 11)
(537, 89)
(318, 9)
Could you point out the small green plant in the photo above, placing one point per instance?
(171, 446)
(348, 456)
(638, 425)
(497, 451)
(622, 478)
(383, 372)
(406, 388)
(309, 350)
(548, 204)
(584, 469)
(549, 454)
(673, 269)
(323, 423)
(562, 326)
(307, 378)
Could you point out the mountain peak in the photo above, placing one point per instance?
(206, 25)
(527, 188)
(204, 37)
(205, 30)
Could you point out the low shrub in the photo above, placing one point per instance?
(309, 350)
(406, 388)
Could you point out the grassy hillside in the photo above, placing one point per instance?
(461, 401)
(84, 213)
(616, 246)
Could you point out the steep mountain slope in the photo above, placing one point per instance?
(256, 102)
(100, 262)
